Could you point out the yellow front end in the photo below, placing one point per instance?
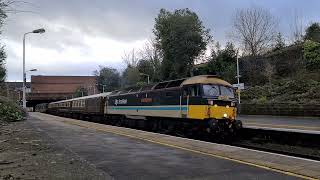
(222, 112)
(211, 112)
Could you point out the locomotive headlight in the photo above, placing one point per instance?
(225, 115)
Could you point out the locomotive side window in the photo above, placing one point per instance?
(193, 90)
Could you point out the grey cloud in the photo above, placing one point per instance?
(68, 21)
(131, 20)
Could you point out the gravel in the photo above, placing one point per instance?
(28, 153)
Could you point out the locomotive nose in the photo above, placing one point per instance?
(222, 112)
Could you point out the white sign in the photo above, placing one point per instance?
(120, 101)
(239, 86)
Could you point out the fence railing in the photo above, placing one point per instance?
(280, 109)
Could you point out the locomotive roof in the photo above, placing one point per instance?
(201, 79)
(205, 79)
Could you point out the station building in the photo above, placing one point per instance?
(55, 88)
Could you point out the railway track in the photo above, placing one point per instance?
(298, 144)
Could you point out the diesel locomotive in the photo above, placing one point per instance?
(199, 104)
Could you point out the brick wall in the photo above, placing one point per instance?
(62, 84)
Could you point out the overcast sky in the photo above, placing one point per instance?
(83, 34)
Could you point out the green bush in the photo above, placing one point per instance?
(9, 111)
(297, 90)
(311, 53)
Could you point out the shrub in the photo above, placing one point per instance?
(311, 53)
(298, 90)
(9, 111)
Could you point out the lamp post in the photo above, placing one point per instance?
(238, 76)
(24, 101)
(143, 74)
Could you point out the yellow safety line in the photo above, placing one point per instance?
(199, 152)
(282, 126)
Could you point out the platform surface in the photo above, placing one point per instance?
(311, 124)
(132, 154)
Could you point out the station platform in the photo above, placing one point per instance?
(133, 154)
(282, 123)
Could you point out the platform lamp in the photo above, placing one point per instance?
(24, 101)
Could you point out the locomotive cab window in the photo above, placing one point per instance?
(227, 91)
(211, 90)
(216, 90)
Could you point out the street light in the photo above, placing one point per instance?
(40, 31)
(143, 74)
(32, 70)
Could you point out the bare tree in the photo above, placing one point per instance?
(152, 54)
(296, 28)
(255, 29)
(130, 58)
